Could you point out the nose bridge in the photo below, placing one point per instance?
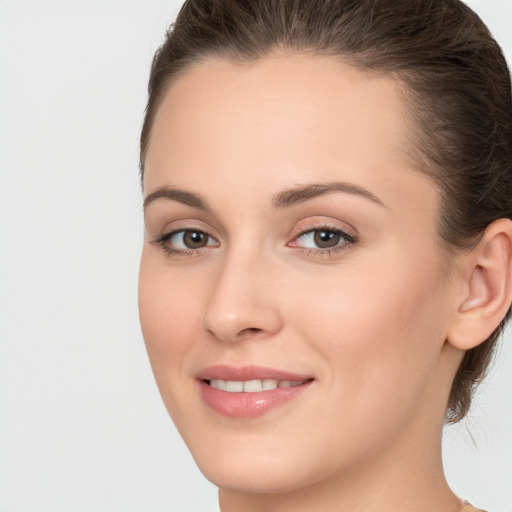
(242, 302)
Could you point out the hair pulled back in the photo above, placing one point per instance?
(458, 92)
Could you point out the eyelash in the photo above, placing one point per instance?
(349, 240)
(173, 251)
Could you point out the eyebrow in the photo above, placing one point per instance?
(181, 196)
(306, 192)
(282, 200)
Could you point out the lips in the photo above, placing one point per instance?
(249, 391)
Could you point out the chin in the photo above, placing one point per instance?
(261, 463)
(262, 476)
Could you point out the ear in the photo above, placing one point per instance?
(487, 290)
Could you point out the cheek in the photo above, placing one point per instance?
(381, 329)
(169, 309)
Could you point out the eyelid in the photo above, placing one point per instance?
(164, 242)
(302, 228)
(172, 229)
(350, 237)
(171, 234)
(319, 223)
(347, 236)
(191, 224)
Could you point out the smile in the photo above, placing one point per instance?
(250, 391)
(253, 386)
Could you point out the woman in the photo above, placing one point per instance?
(326, 267)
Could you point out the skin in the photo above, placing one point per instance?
(369, 321)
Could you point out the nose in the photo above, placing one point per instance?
(244, 301)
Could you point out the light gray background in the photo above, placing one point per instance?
(82, 427)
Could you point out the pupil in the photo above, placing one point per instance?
(325, 239)
(194, 239)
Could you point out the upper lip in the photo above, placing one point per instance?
(244, 373)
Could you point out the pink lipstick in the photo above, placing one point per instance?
(249, 391)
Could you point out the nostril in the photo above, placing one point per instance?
(251, 333)
(250, 330)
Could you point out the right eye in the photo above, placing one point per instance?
(186, 241)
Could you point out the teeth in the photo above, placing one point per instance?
(269, 384)
(290, 383)
(234, 386)
(218, 384)
(252, 386)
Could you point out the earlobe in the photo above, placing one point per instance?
(488, 287)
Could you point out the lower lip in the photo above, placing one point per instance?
(248, 405)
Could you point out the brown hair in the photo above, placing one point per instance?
(458, 87)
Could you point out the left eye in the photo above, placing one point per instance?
(322, 239)
(190, 239)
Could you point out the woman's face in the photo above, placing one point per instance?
(288, 238)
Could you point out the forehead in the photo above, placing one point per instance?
(281, 119)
